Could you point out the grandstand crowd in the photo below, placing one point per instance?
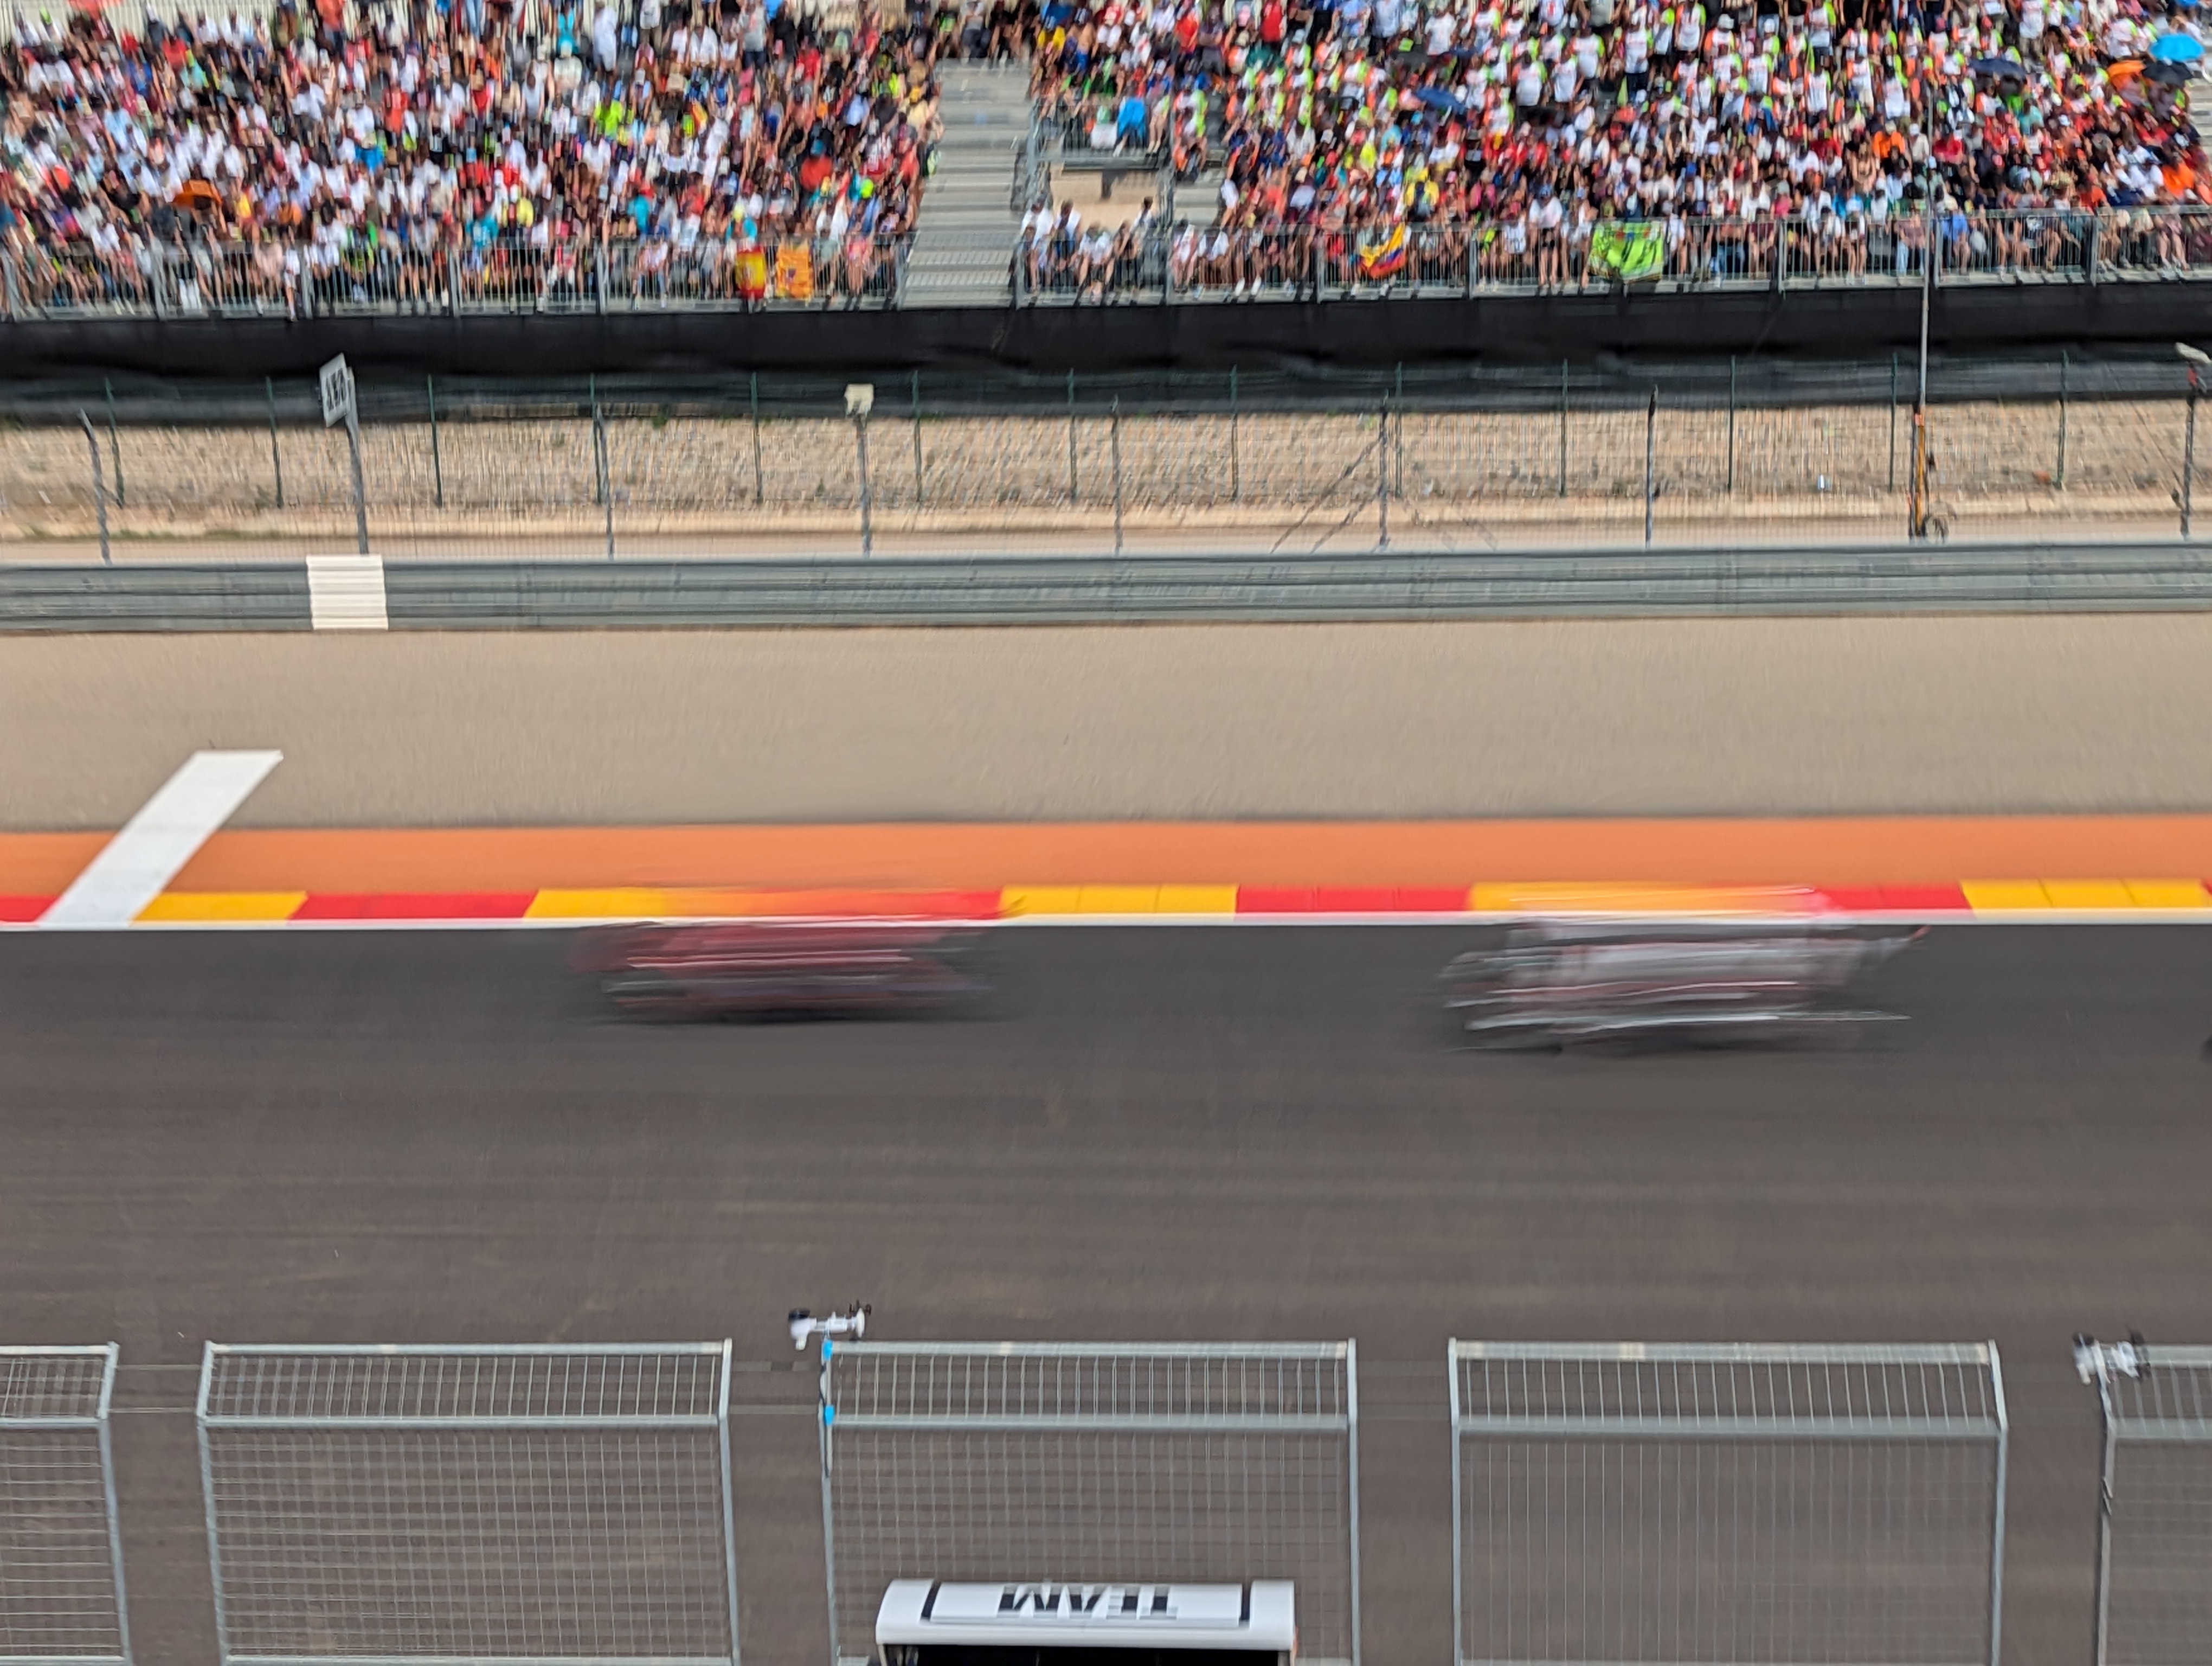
(509, 140)
(737, 146)
(1521, 127)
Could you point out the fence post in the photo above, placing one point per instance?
(2189, 455)
(8, 285)
(602, 466)
(1731, 437)
(115, 446)
(437, 460)
(2096, 244)
(1997, 1506)
(453, 283)
(2101, 1606)
(1070, 440)
(825, 1412)
(2064, 363)
(98, 486)
(1651, 444)
(917, 442)
(1236, 458)
(1351, 1487)
(1892, 421)
(867, 523)
(1114, 430)
(600, 273)
(1562, 427)
(1382, 480)
(360, 490)
(275, 456)
(760, 481)
(1398, 439)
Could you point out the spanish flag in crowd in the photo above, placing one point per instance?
(1382, 253)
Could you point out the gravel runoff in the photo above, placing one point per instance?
(1786, 716)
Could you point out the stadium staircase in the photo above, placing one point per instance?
(963, 242)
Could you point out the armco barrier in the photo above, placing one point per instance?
(243, 597)
(1049, 590)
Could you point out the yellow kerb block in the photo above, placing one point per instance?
(1119, 899)
(622, 903)
(211, 907)
(2005, 896)
(2168, 894)
(2088, 894)
(1198, 899)
(1041, 899)
(1638, 897)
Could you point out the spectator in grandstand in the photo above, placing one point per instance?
(428, 152)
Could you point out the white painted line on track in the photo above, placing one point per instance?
(137, 865)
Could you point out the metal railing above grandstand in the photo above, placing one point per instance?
(1158, 262)
(269, 277)
(1186, 261)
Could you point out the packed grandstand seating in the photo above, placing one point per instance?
(507, 149)
(1555, 141)
(430, 153)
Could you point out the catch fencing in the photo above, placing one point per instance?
(526, 1504)
(61, 1545)
(1625, 1502)
(1425, 458)
(1085, 1463)
(2154, 1546)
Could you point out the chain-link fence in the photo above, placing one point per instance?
(2154, 1548)
(61, 1546)
(491, 1503)
(1446, 459)
(1624, 1502)
(1092, 1464)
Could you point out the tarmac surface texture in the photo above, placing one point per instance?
(1750, 717)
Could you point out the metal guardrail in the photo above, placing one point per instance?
(1071, 590)
(1188, 261)
(204, 279)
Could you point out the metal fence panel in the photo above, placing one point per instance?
(1623, 1502)
(486, 1503)
(1133, 1464)
(2155, 1604)
(61, 1548)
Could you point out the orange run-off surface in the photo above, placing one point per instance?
(1987, 864)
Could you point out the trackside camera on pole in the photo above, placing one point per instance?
(2100, 1362)
(805, 1327)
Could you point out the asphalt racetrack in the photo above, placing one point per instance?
(1254, 1133)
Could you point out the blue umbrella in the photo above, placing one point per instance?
(2177, 49)
(1437, 99)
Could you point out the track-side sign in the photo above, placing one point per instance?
(336, 383)
(1259, 1616)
